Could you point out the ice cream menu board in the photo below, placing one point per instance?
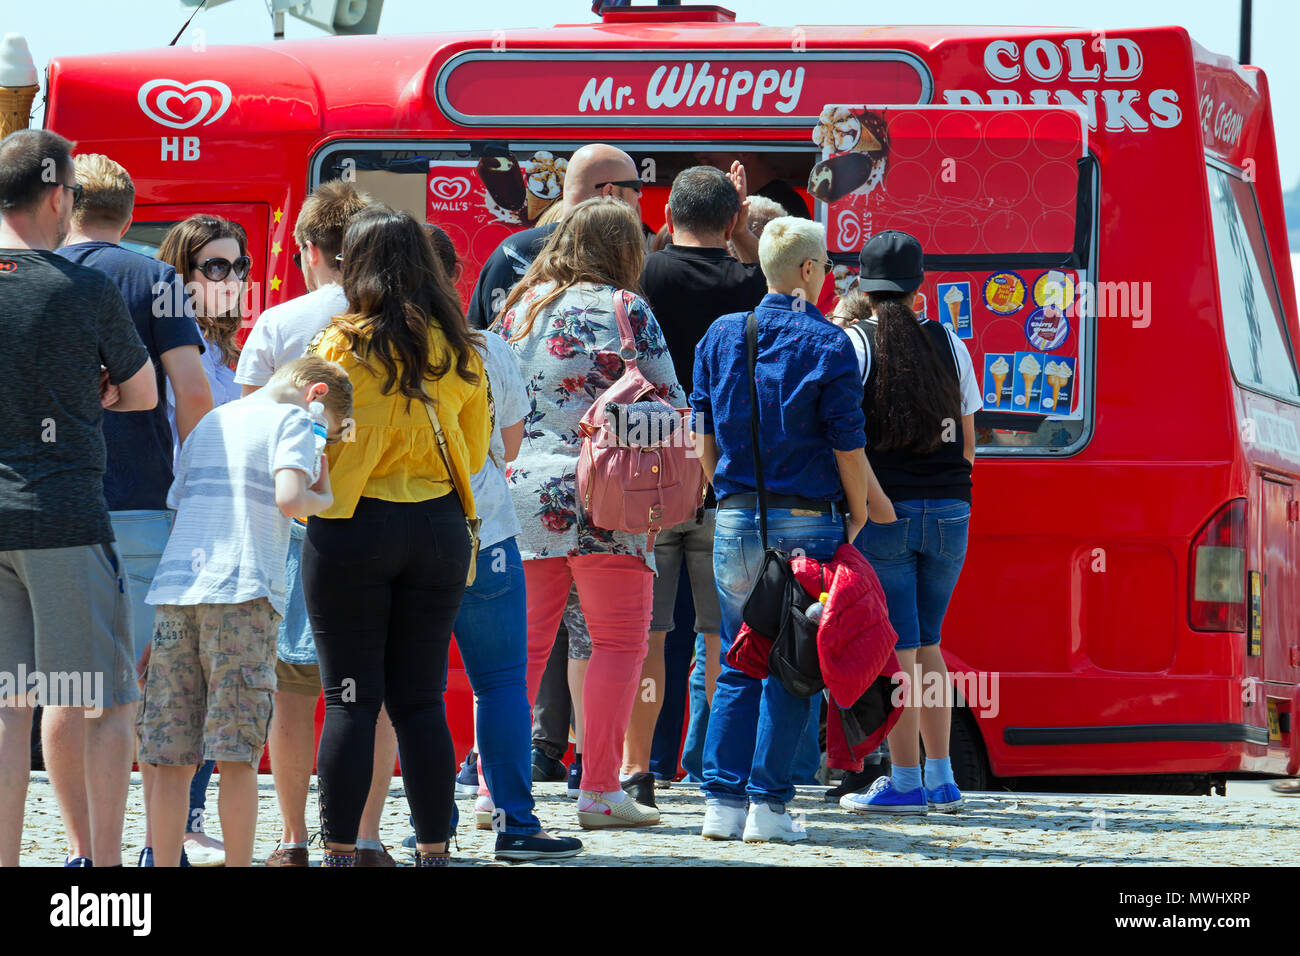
(967, 181)
(480, 202)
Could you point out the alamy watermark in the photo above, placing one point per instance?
(81, 689)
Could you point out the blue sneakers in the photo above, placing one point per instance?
(883, 798)
(467, 778)
(77, 861)
(575, 777)
(146, 857)
(945, 798)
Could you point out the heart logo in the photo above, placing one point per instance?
(848, 231)
(449, 188)
(182, 105)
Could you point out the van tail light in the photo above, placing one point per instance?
(1217, 601)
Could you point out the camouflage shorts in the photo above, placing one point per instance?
(576, 624)
(210, 683)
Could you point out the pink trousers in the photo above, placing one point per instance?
(614, 591)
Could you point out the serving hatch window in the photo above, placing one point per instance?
(482, 192)
(999, 198)
(1258, 346)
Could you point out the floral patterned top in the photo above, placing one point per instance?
(569, 357)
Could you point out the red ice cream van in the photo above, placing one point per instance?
(1102, 218)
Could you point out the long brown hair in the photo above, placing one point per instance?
(396, 288)
(179, 248)
(598, 241)
(916, 387)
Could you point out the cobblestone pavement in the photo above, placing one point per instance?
(1249, 827)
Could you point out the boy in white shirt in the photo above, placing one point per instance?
(247, 470)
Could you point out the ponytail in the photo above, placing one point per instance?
(917, 392)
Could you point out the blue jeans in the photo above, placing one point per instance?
(199, 796)
(141, 537)
(918, 559)
(492, 634)
(756, 726)
(807, 758)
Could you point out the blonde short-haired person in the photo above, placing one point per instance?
(819, 488)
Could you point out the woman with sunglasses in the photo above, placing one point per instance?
(210, 254)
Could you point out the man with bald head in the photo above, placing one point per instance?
(595, 170)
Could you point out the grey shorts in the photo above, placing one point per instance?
(576, 624)
(695, 541)
(65, 615)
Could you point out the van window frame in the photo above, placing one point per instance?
(1239, 173)
(325, 150)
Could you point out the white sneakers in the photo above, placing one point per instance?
(722, 822)
(483, 812)
(765, 825)
(761, 824)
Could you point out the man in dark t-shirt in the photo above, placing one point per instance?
(69, 351)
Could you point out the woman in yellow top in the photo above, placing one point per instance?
(384, 569)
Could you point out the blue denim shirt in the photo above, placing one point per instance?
(809, 394)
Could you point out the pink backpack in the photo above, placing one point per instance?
(634, 487)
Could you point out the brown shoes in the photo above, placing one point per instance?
(288, 856)
(368, 857)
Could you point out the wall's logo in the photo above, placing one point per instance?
(449, 188)
(848, 229)
(182, 105)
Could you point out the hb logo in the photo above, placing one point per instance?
(182, 105)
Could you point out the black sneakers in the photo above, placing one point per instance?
(641, 788)
(517, 846)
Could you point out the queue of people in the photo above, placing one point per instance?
(380, 470)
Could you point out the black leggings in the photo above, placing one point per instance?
(383, 588)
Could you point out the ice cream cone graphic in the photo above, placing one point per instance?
(18, 84)
(999, 369)
(1029, 371)
(537, 205)
(953, 299)
(1058, 374)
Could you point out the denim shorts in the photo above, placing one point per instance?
(141, 539)
(294, 643)
(918, 559)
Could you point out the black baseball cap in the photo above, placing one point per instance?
(891, 261)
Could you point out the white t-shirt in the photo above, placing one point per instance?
(229, 541)
(284, 331)
(971, 398)
(510, 404)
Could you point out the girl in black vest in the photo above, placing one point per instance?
(919, 397)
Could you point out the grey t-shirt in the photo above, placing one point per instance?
(59, 322)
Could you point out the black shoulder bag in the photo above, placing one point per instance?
(776, 603)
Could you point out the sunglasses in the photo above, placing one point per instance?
(827, 265)
(217, 269)
(75, 189)
(632, 184)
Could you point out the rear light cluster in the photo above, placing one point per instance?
(1217, 601)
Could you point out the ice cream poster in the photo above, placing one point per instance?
(1027, 381)
(480, 202)
(998, 385)
(955, 307)
(1058, 386)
